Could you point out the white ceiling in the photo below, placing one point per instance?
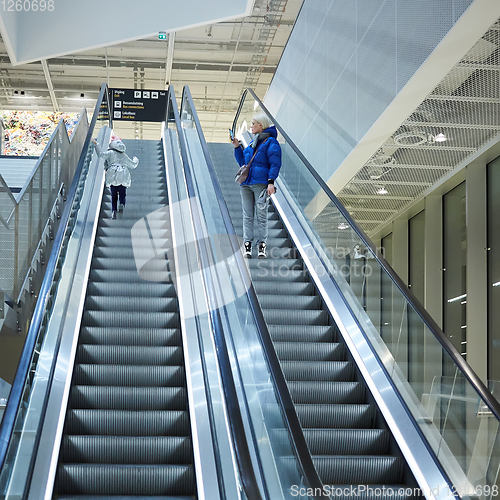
(217, 62)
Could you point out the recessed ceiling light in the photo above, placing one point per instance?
(382, 190)
(440, 137)
(343, 225)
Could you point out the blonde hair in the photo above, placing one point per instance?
(263, 120)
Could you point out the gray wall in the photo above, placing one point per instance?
(344, 63)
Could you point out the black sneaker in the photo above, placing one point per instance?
(262, 251)
(248, 250)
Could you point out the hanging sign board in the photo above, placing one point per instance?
(138, 105)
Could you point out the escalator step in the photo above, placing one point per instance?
(298, 302)
(295, 317)
(278, 288)
(338, 416)
(348, 470)
(309, 351)
(118, 230)
(143, 289)
(347, 441)
(302, 333)
(114, 242)
(102, 479)
(128, 398)
(126, 449)
(127, 423)
(123, 304)
(130, 336)
(278, 266)
(327, 392)
(129, 375)
(130, 320)
(130, 355)
(318, 370)
(116, 264)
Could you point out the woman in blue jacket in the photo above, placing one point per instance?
(264, 170)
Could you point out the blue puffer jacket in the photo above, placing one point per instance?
(267, 162)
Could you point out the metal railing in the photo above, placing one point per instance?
(14, 416)
(24, 221)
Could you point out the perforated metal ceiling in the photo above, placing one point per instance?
(456, 119)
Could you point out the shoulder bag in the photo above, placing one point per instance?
(242, 174)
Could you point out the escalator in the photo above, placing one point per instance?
(344, 430)
(127, 429)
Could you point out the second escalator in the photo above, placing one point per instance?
(347, 436)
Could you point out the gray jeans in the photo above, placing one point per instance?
(249, 195)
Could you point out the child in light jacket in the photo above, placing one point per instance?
(116, 166)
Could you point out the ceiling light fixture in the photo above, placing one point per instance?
(343, 225)
(382, 190)
(440, 137)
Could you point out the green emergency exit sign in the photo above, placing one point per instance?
(162, 35)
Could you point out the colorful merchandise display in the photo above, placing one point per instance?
(28, 132)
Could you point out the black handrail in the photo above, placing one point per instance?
(16, 393)
(464, 367)
(283, 394)
(235, 419)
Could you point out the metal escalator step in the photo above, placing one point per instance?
(129, 375)
(130, 320)
(118, 231)
(118, 264)
(321, 392)
(114, 242)
(288, 277)
(144, 289)
(142, 304)
(130, 355)
(127, 423)
(126, 449)
(155, 223)
(294, 317)
(130, 336)
(102, 479)
(332, 416)
(302, 333)
(297, 302)
(277, 265)
(145, 206)
(309, 351)
(347, 441)
(348, 470)
(128, 398)
(318, 370)
(278, 288)
(132, 276)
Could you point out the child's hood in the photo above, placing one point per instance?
(117, 145)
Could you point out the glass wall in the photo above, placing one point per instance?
(493, 203)
(455, 268)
